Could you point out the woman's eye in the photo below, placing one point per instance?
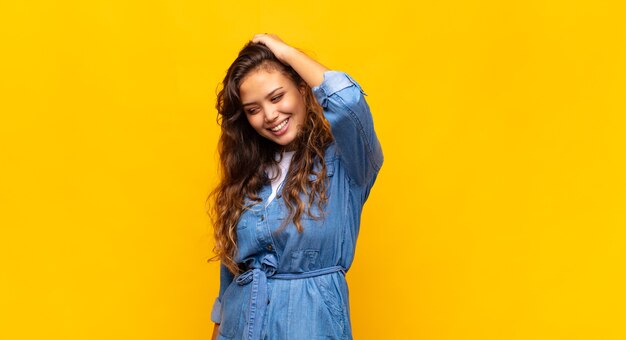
(274, 99)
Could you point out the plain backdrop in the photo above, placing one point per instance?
(499, 212)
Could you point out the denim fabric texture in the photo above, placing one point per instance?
(295, 286)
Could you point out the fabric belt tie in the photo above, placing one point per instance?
(258, 292)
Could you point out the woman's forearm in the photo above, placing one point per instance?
(310, 70)
(215, 331)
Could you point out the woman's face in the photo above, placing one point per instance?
(273, 104)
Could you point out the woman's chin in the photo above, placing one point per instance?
(285, 139)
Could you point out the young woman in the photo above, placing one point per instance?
(299, 156)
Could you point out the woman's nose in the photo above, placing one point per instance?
(271, 115)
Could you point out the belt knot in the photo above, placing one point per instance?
(259, 299)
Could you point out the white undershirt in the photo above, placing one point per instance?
(284, 167)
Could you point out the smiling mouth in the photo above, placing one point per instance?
(279, 126)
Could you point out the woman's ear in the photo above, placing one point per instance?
(302, 88)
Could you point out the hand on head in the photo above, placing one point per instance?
(274, 43)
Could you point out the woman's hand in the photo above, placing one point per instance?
(310, 70)
(275, 44)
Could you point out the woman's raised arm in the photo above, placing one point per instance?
(345, 108)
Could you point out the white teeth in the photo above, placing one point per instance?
(279, 126)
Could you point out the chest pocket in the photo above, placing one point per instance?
(243, 221)
(315, 211)
(249, 213)
(330, 169)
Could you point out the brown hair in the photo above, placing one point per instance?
(244, 155)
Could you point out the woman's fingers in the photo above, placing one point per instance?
(273, 42)
(267, 38)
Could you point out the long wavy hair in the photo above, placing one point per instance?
(245, 155)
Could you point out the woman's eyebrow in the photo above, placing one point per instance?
(268, 95)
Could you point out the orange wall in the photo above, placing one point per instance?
(499, 212)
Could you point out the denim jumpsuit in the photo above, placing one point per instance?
(295, 287)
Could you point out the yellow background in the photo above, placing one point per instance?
(499, 212)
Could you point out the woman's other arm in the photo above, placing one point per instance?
(226, 278)
(216, 329)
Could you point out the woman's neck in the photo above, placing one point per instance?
(289, 147)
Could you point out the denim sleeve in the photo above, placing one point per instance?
(226, 278)
(352, 125)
